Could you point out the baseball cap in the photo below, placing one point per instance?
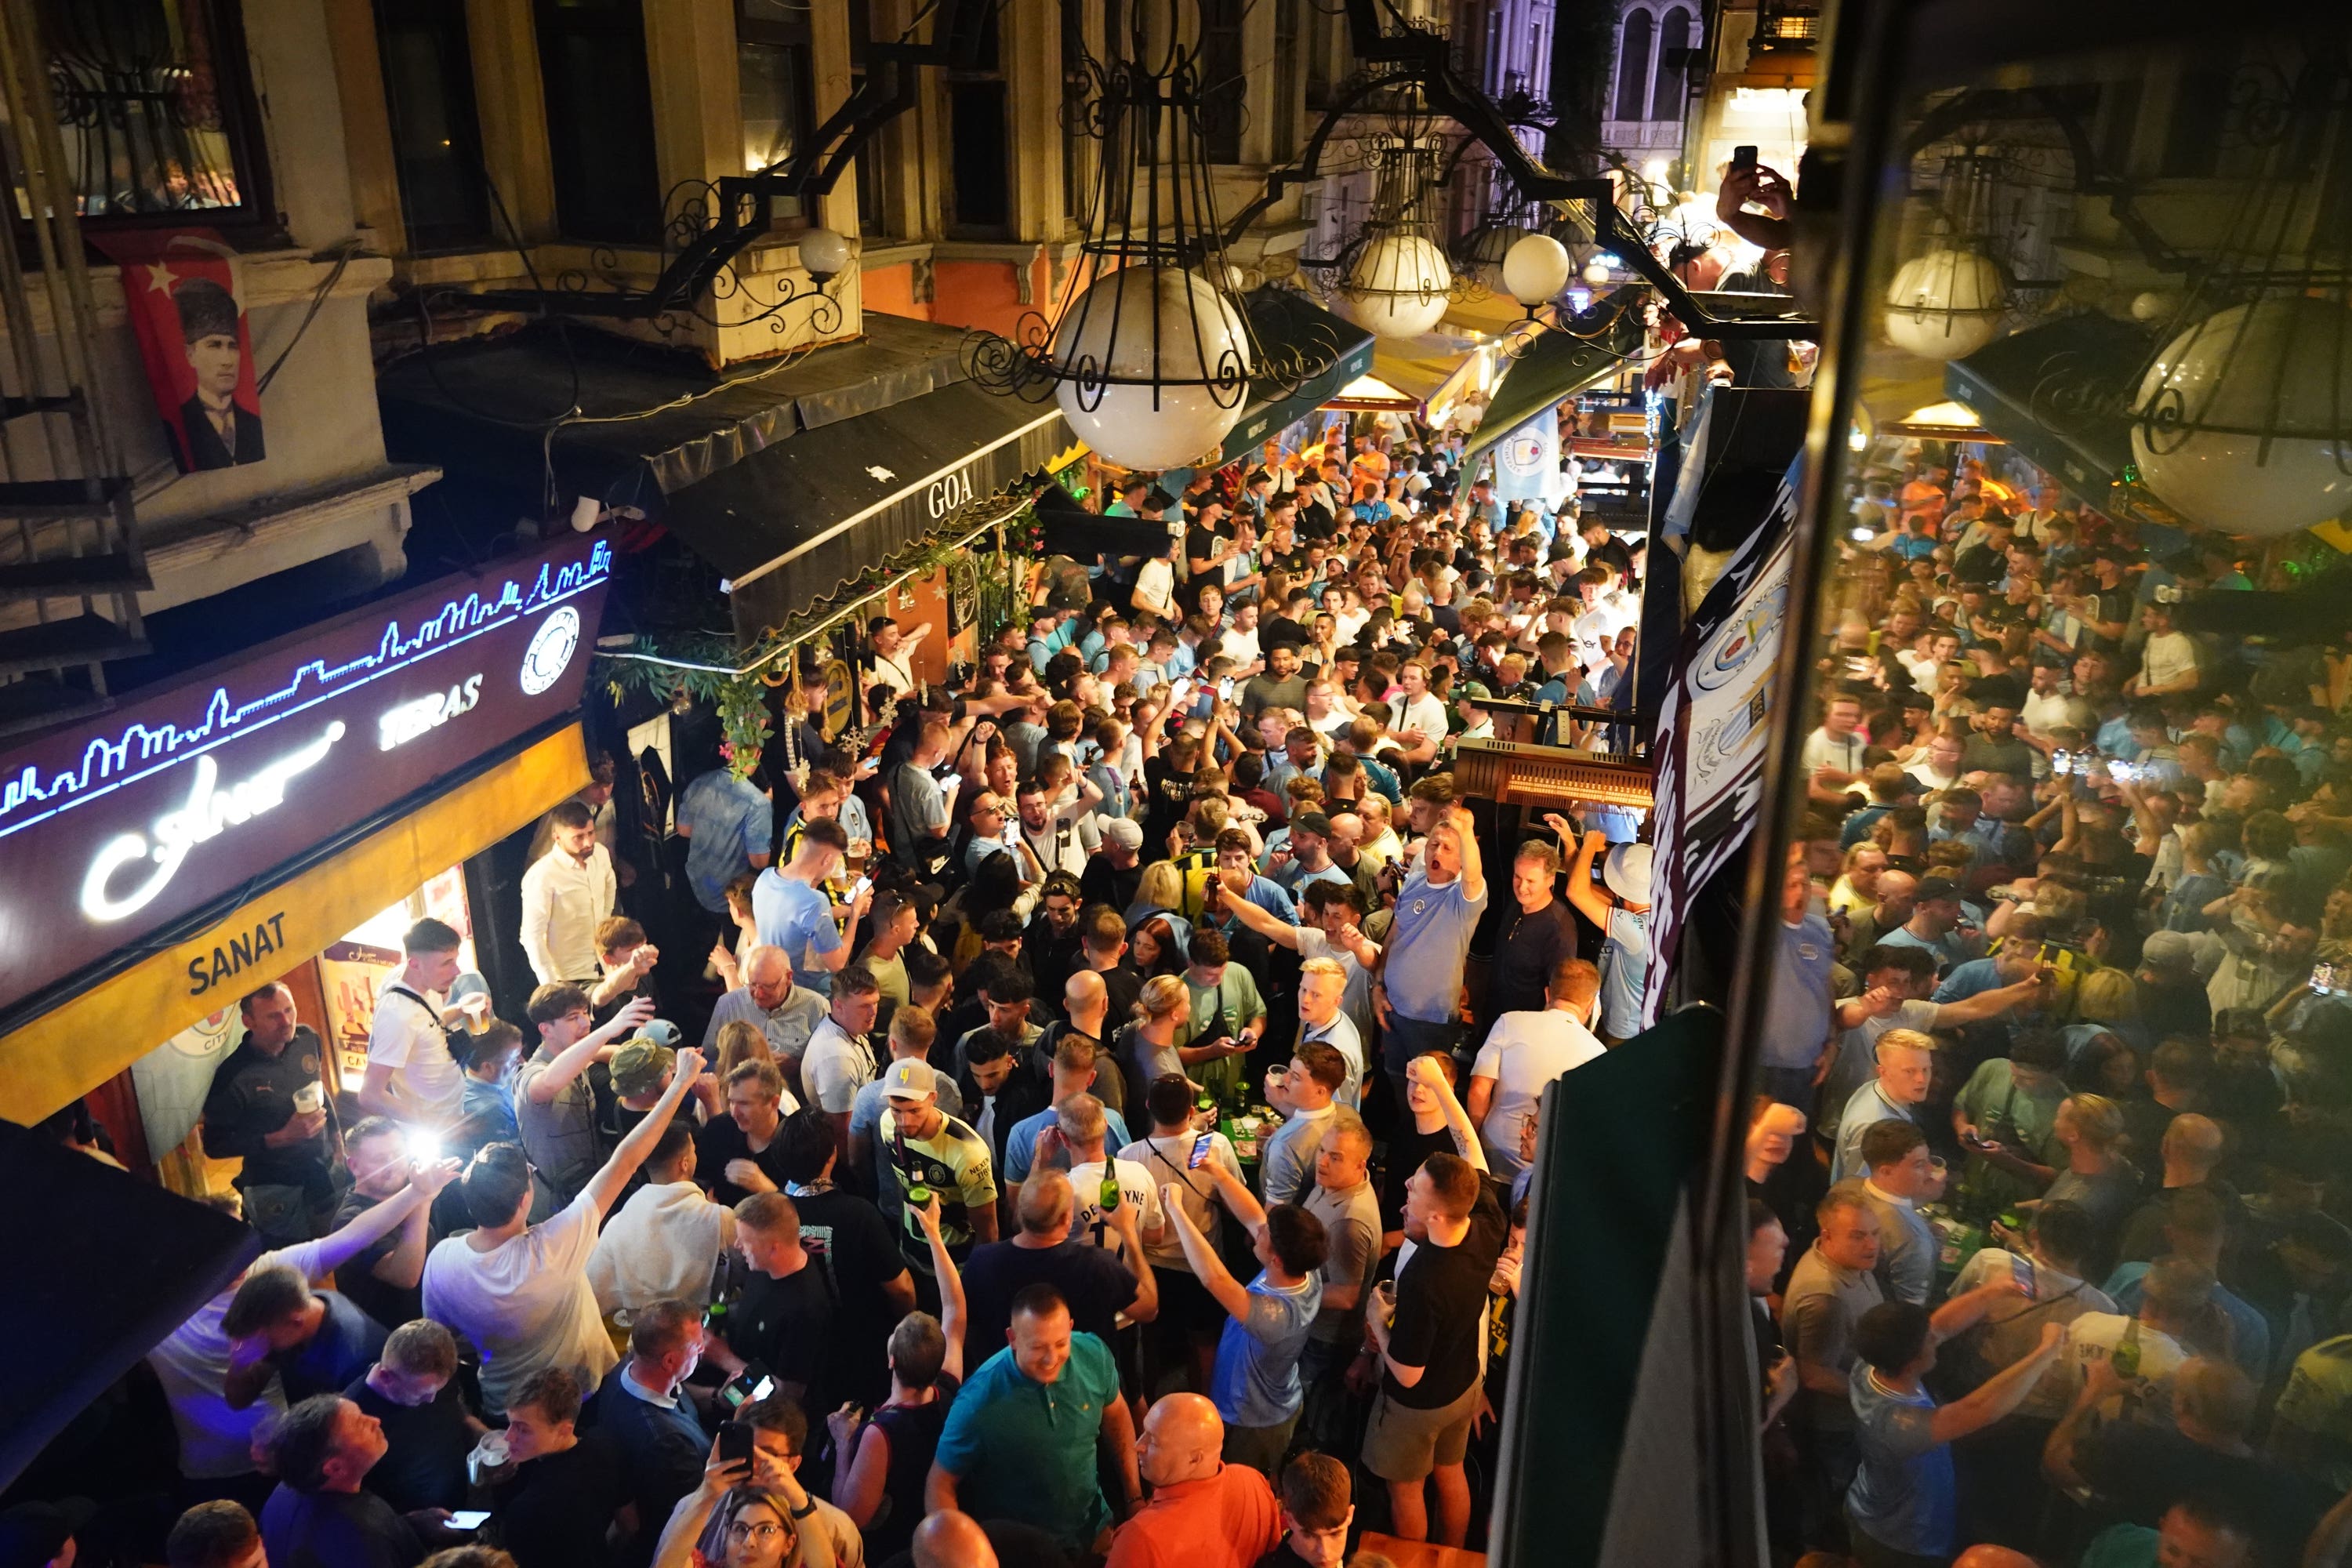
(1125, 833)
(1933, 888)
(1313, 822)
(2168, 950)
(33, 1534)
(1627, 872)
(639, 1067)
(910, 1080)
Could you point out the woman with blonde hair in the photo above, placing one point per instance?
(740, 1042)
(2097, 1179)
(1159, 895)
(1148, 1046)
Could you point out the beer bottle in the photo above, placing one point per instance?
(918, 1195)
(2125, 1357)
(1110, 1194)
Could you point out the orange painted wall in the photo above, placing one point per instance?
(984, 294)
(891, 292)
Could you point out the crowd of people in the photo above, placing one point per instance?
(2058, 1066)
(1055, 1130)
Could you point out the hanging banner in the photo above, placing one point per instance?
(1716, 722)
(181, 287)
(173, 1078)
(1526, 461)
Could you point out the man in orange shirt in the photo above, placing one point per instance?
(1204, 1512)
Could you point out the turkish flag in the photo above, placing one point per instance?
(181, 286)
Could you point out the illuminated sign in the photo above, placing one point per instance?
(116, 830)
(411, 719)
(209, 811)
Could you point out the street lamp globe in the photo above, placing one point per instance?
(1151, 368)
(1536, 269)
(1945, 304)
(2243, 422)
(1398, 285)
(824, 254)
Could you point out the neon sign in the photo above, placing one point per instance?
(195, 794)
(209, 812)
(411, 719)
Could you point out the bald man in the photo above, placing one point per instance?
(950, 1539)
(1204, 1512)
(2190, 1148)
(1993, 1557)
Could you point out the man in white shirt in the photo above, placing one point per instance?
(519, 1292)
(1085, 1132)
(1421, 711)
(2168, 659)
(1525, 1051)
(194, 1363)
(1240, 641)
(894, 658)
(1303, 1093)
(412, 1074)
(565, 894)
(665, 1242)
(839, 1062)
(1833, 755)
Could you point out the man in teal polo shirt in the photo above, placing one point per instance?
(1020, 1440)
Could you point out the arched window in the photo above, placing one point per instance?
(1674, 33)
(1634, 67)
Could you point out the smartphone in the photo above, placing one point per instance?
(1201, 1147)
(470, 1518)
(1743, 156)
(1226, 689)
(1012, 835)
(865, 885)
(735, 1442)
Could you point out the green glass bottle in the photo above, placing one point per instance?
(2125, 1357)
(1110, 1194)
(918, 1195)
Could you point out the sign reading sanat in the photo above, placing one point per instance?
(120, 827)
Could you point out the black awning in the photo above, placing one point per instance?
(107, 1266)
(1289, 322)
(1071, 530)
(1558, 364)
(2059, 395)
(791, 523)
(478, 409)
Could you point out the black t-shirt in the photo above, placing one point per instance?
(425, 1464)
(788, 1325)
(1280, 631)
(1533, 945)
(1171, 793)
(1104, 883)
(252, 1096)
(1440, 1296)
(1200, 544)
(862, 1249)
(1097, 1286)
(722, 1141)
(346, 1345)
(555, 1510)
(388, 1304)
(337, 1530)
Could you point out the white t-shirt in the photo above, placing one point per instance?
(662, 1245)
(1135, 1187)
(835, 1068)
(406, 1036)
(2093, 1337)
(1164, 1161)
(1241, 647)
(1523, 1052)
(216, 1442)
(2168, 657)
(1426, 713)
(526, 1304)
(1824, 749)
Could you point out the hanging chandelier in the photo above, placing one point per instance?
(1947, 301)
(1393, 278)
(2242, 418)
(1151, 353)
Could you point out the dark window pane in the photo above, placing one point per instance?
(600, 121)
(1633, 70)
(1673, 35)
(1286, 80)
(428, 87)
(976, 129)
(2200, 110)
(1221, 78)
(143, 106)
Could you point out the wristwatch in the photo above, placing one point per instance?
(806, 1509)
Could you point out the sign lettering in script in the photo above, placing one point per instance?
(120, 827)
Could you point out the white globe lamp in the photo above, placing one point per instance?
(824, 254)
(1536, 269)
(1945, 304)
(1398, 285)
(1596, 272)
(1489, 257)
(1141, 324)
(2241, 423)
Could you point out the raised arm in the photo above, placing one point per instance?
(570, 1063)
(1464, 1131)
(1583, 895)
(953, 1310)
(1474, 868)
(604, 1188)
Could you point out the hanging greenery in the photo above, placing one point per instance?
(690, 667)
